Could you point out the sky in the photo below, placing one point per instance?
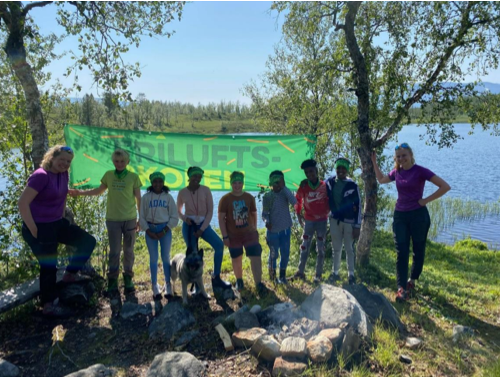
(217, 48)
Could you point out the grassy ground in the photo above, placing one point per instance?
(459, 285)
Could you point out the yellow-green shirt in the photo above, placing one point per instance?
(121, 205)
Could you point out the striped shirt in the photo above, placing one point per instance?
(276, 209)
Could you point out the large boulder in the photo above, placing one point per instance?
(176, 364)
(333, 305)
(245, 320)
(130, 309)
(173, 318)
(8, 369)
(376, 305)
(97, 370)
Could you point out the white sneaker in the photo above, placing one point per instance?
(168, 289)
(157, 289)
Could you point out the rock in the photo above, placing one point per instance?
(245, 320)
(130, 309)
(76, 293)
(8, 369)
(266, 348)
(319, 349)
(460, 331)
(376, 305)
(97, 370)
(294, 347)
(302, 328)
(173, 318)
(283, 368)
(255, 309)
(350, 343)
(222, 294)
(186, 338)
(246, 338)
(229, 321)
(413, 343)
(175, 364)
(335, 336)
(280, 314)
(333, 305)
(405, 359)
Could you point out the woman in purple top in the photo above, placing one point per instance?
(411, 217)
(41, 206)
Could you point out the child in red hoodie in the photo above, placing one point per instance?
(313, 198)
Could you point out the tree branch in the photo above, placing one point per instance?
(38, 4)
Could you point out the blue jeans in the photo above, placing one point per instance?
(279, 244)
(212, 239)
(165, 244)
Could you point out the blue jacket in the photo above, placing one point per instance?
(350, 210)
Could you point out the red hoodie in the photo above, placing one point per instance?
(315, 201)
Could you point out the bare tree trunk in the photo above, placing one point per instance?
(16, 53)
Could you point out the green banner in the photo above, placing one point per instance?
(172, 154)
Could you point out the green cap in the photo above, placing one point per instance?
(239, 177)
(344, 162)
(274, 179)
(156, 175)
(195, 170)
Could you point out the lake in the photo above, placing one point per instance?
(471, 168)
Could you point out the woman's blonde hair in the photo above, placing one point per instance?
(408, 148)
(53, 153)
(120, 153)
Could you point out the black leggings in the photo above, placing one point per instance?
(415, 225)
(45, 249)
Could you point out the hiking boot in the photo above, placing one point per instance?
(282, 279)
(56, 310)
(299, 275)
(317, 279)
(239, 285)
(168, 291)
(112, 285)
(333, 278)
(401, 296)
(128, 283)
(410, 288)
(352, 280)
(262, 289)
(157, 291)
(217, 282)
(77, 277)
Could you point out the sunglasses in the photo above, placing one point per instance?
(403, 145)
(67, 149)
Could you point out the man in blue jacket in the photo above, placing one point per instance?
(345, 217)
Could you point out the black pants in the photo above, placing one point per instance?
(45, 249)
(415, 225)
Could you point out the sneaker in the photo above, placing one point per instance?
(272, 276)
(262, 289)
(410, 288)
(352, 280)
(217, 282)
(299, 275)
(70, 277)
(168, 291)
(239, 285)
(401, 296)
(317, 279)
(56, 310)
(333, 278)
(157, 291)
(129, 283)
(112, 285)
(282, 278)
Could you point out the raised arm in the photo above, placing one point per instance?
(381, 178)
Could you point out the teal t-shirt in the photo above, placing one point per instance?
(121, 205)
(337, 192)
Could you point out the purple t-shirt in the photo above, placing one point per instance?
(48, 205)
(410, 185)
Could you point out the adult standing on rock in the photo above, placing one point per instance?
(411, 217)
(41, 206)
(198, 206)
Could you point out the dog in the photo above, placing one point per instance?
(188, 269)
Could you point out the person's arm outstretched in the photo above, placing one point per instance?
(381, 178)
(97, 191)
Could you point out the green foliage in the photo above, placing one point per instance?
(469, 243)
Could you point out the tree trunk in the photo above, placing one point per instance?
(16, 53)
